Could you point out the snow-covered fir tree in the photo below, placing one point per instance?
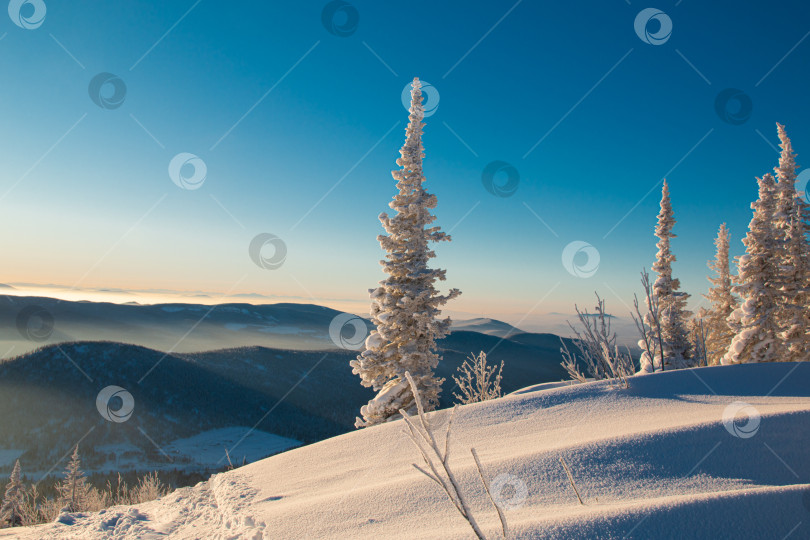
(405, 308)
(721, 300)
(793, 279)
(73, 489)
(697, 337)
(757, 336)
(11, 511)
(673, 315)
(795, 310)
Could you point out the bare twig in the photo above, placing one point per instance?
(571, 480)
(501, 514)
(422, 436)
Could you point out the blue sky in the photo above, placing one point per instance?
(299, 129)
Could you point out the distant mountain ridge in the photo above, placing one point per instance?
(180, 327)
(49, 394)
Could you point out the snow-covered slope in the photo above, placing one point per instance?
(664, 458)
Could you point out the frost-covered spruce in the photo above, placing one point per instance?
(405, 307)
(11, 511)
(757, 337)
(795, 314)
(672, 303)
(786, 197)
(721, 300)
(791, 229)
(73, 489)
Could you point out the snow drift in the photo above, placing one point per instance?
(715, 452)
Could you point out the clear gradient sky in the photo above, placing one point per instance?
(299, 129)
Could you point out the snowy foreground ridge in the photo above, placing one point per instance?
(655, 460)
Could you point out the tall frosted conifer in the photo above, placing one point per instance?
(677, 351)
(722, 301)
(755, 321)
(405, 308)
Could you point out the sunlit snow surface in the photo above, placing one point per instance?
(655, 460)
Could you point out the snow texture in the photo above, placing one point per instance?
(657, 460)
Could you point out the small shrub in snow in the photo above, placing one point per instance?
(478, 381)
(649, 327)
(597, 349)
(33, 508)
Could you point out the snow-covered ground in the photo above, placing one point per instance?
(715, 452)
(207, 449)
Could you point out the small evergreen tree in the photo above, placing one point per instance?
(73, 490)
(406, 306)
(673, 315)
(756, 338)
(11, 511)
(697, 336)
(722, 301)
